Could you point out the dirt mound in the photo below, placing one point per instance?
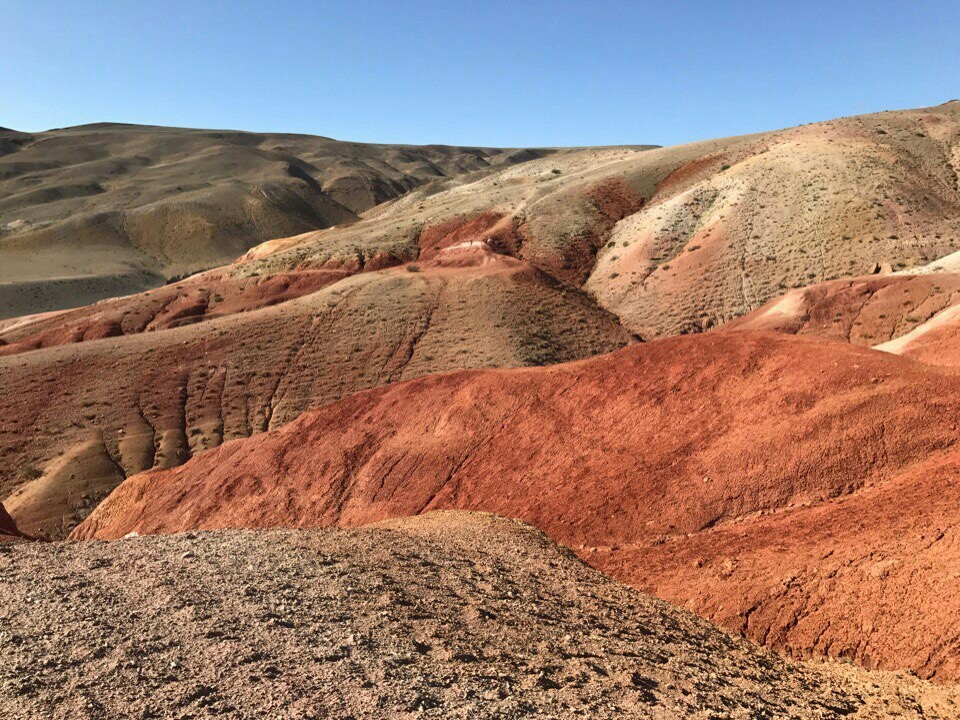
(99, 210)
(657, 441)
(446, 615)
(102, 410)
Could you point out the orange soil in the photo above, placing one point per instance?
(871, 577)
(193, 300)
(913, 315)
(493, 229)
(76, 419)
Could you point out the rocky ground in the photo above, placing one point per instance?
(445, 615)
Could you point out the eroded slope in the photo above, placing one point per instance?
(914, 315)
(76, 419)
(660, 442)
(730, 230)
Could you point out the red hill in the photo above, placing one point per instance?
(673, 443)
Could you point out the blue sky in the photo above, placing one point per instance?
(486, 73)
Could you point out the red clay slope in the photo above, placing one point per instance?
(873, 577)
(201, 297)
(862, 310)
(76, 419)
(917, 316)
(636, 448)
(935, 342)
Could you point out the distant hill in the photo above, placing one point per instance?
(108, 209)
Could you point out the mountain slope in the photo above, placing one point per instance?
(732, 229)
(704, 233)
(871, 577)
(798, 193)
(685, 238)
(224, 360)
(914, 315)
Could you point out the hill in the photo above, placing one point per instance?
(839, 236)
(654, 449)
(113, 389)
(106, 409)
(446, 615)
(913, 314)
(671, 240)
(108, 209)
(565, 218)
(732, 229)
(682, 239)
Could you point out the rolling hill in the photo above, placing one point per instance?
(109, 209)
(912, 314)
(99, 411)
(500, 334)
(570, 219)
(644, 460)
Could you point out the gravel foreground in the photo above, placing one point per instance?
(457, 615)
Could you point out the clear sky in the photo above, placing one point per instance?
(518, 73)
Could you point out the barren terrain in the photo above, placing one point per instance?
(912, 314)
(520, 264)
(725, 373)
(673, 441)
(448, 615)
(108, 209)
(99, 411)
